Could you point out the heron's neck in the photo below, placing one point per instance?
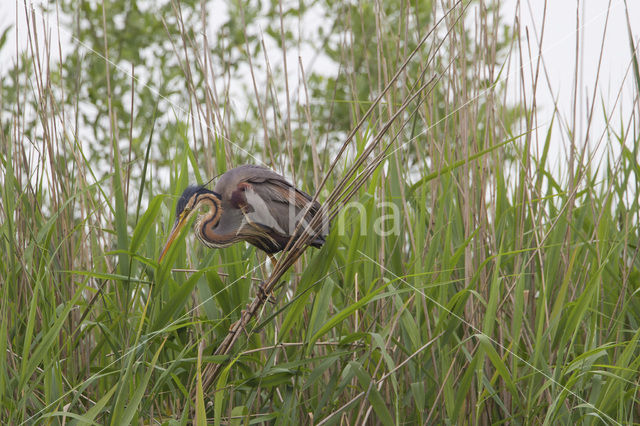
(212, 216)
(205, 227)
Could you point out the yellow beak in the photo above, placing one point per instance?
(177, 227)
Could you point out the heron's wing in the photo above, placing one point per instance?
(272, 203)
(281, 206)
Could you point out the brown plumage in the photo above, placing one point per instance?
(249, 203)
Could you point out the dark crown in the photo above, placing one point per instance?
(189, 192)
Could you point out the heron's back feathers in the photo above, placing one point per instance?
(270, 206)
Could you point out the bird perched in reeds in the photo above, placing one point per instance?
(248, 203)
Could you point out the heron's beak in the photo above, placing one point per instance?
(177, 227)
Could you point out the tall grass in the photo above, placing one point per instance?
(503, 290)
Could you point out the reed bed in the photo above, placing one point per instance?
(466, 279)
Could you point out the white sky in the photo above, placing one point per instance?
(559, 53)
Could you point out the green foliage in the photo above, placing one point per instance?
(471, 284)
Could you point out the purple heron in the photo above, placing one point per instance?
(248, 203)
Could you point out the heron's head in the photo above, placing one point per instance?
(192, 198)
